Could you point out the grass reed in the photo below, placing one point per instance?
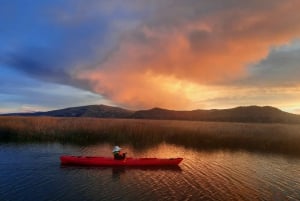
(271, 138)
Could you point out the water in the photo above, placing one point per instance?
(33, 172)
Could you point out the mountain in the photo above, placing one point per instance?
(100, 111)
(257, 114)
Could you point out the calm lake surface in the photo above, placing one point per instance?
(33, 172)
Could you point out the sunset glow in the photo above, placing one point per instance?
(180, 55)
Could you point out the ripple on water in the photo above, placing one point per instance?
(33, 172)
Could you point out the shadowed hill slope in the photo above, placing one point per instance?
(100, 111)
(255, 114)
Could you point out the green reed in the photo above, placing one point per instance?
(272, 138)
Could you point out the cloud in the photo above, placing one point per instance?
(36, 63)
(280, 69)
(149, 53)
(18, 91)
(39, 95)
(48, 41)
(192, 43)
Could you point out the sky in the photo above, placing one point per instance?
(140, 54)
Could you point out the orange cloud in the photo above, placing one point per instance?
(137, 90)
(156, 63)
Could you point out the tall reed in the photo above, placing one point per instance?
(273, 138)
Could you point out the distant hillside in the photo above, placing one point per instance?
(257, 114)
(100, 111)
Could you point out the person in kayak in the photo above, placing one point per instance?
(118, 155)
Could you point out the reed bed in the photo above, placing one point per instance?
(271, 138)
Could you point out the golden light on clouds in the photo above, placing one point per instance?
(176, 54)
(188, 63)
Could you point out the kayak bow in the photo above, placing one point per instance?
(106, 161)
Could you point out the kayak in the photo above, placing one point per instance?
(107, 161)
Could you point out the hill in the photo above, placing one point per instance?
(255, 114)
(100, 111)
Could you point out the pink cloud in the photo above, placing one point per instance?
(208, 48)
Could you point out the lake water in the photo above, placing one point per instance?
(33, 172)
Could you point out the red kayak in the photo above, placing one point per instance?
(105, 161)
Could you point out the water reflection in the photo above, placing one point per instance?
(33, 172)
(117, 172)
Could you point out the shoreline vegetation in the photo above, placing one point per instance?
(257, 137)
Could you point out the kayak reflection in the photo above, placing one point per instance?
(117, 172)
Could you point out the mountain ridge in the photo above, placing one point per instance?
(255, 114)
